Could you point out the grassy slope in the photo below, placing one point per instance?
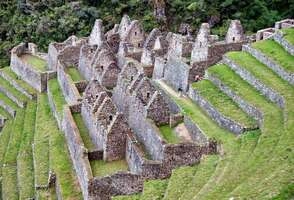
(25, 156)
(8, 101)
(4, 113)
(9, 169)
(23, 84)
(267, 143)
(154, 189)
(83, 131)
(58, 98)
(36, 62)
(60, 161)
(289, 35)
(277, 53)
(5, 84)
(223, 103)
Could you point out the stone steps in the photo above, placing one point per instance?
(10, 188)
(178, 181)
(20, 85)
(221, 108)
(25, 172)
(274, 57)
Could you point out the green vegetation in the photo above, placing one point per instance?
(60, 161)
(42, 21)
(131, 197)
(25, 167)
(154, 189)
(178, 181)
(8, 101)
(277, 53)
(57, 95)
(74, 74)
(4, 113)
(223, 103)
(9, 169)
(289, 35)
(36, 62)
(83, 131)
(102, 168)
(21, 83)
(169, 134)
(8, 87)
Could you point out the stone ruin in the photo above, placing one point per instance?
(120, 102)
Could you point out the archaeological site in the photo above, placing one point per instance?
(126, 114)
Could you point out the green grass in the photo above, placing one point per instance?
(36, 62)
(41, 142)
(60, 162)
(101, 168)
(264, 159)
(9, 169)
(154, 189)
(131, 197)
(8, 101)
(277, 53)
(83, 131)
(21, 83)
(289, 35)
(5, 84)
(4, 113)
(25, 156)
(169, 134)
(204, 171)
(4, 139)
(58, 97)
(223, 103)
(74, 74)
(178, 182)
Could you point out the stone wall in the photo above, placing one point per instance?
(159, 68)
(78, 151)
(288, 76)
(249, 109)
(67, 86)
(196, 133)
(177, 73)
(120, 183)
(10, 110)
(279, 37)
(218, 117)
(16, 85)
(19, 102)
(272, 95)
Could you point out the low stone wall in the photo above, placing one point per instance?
(20, 103)
(120, 183)
(10, 110)
(159, 67)
(36, 79)
(219, 118)
(249, 109)
(69, 90)
(265, 90)
(270, 63)
(16, 85)
(196, 133)
(279, 38)
(78, 152)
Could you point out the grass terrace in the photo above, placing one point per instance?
(289, 35)
(34, 61)
(154, 189)
(169, 134)
(83, 131)
(8, 87)
(223, 103)
(74, 74)
(101, 168)
(23, 84)
(4, 113)
(277, 53)
(58, 97)
(8, 101)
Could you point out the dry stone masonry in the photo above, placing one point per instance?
(123, 107)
